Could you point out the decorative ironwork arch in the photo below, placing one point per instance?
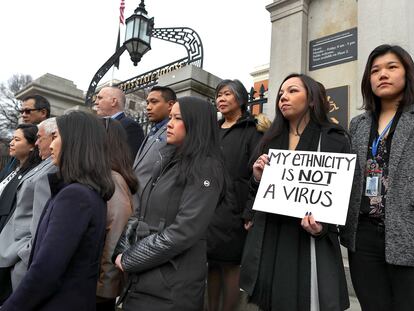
(184, 36)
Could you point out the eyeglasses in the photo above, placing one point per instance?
(28, 111)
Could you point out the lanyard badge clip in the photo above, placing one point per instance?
(373, 174)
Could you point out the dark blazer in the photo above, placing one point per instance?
(7, 169)
(63, 266)
(170, 263)
(134, 131)
(237, 144)
(399, 209)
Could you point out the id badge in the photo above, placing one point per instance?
(373, 185)
(373, 175)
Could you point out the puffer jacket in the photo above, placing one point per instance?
(167, 263)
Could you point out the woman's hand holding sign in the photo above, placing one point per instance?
(259, 166)
(310, 225)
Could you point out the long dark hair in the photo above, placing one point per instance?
(201, 140)
(371, 101)
(30, 134)
(117, 150)
(317, 107)
(82, 155)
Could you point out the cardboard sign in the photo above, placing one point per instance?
(297, 182)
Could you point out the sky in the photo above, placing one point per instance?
(73, 39)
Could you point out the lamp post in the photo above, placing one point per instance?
(138, 33)
(137, 41)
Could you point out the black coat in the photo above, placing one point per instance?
(290, 288)
(134, 132)
(8, 200)
(8, 196)
(63, 265)
(238, 144)
(167, 265)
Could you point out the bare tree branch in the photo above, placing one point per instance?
(9, 105)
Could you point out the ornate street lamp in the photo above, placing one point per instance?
(138, 33)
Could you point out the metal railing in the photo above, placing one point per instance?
(255, 103)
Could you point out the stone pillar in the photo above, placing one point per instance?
(327, 18)
(289, 44)
(191, 81)
(62, 93)
(383, 21)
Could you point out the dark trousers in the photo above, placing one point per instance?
(106, 305)
(378, 285)
(5, 284)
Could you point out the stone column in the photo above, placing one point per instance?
(289, 44)
(383, 21)
(191, 81)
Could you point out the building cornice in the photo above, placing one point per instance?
(282, 8)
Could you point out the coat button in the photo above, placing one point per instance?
(206, 183)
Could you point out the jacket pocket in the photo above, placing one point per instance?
(152, 283)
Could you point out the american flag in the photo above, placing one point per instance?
(121, 12)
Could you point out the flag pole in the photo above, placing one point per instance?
(118, 45)
(118, 42)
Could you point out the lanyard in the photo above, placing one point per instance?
(376, 142)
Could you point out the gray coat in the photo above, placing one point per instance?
(399, 209)
(16, 238)
(147, 155)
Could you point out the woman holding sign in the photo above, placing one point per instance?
(380, 225)
(292, 264)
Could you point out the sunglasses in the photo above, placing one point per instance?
(28, 111)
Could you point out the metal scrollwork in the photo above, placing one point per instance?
(184, 36)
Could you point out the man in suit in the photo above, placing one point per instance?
(34, 109)
(110, 103)
(32, 194)
(159, 103)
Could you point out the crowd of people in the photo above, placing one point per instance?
(95, 214)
